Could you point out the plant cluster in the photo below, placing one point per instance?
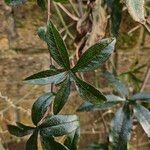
(49, 124)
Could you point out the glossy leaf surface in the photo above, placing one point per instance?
(40, 107)
(95, 56)
(56, 46)
(59, 125)
(72, 140)
(61, 96)
(121, 128)
(46, 77)
(143, 116)
(88, 92)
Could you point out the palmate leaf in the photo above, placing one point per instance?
(112, 100)
(40, 107)
(143, 116)
(88, 92)
(56, 46)
(15, 2)
(61, 96)
(119, 86)
(20, 130)
(121, 128)
(49, 143)
(136, 10)
(46, 77)
(145, 97)
(59, 125)
(32, 143)
(72, 140)
(95, 56)
(42, 4)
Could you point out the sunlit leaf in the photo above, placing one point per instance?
(56, 45)
(40, 107)
(61, 96)
(143, 116)
(46, 77)
(96, 55)
(121, 128)
(59, 125)
(88, 92)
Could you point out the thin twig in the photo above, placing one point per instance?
(73, 17)
(19, 100)
(133, 29)
(74, 8)
(80, 7)
(62, 20)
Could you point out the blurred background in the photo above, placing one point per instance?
(22, 53)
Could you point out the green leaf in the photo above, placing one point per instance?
(119, 86)
(58, 119)
(141, 97)
(88, 92)
(56, 46)
(14, 2)
(40, 107)
(49, 143)
(59, 125)
(42, 4)
(62, 96)
(32, 143)
(96, 55)
(46, 77)
(72, 140)
(20, 130)
(116, 15)
(136, 10)
(112, 100)
(95, 146)
(121, 128)
(143, 116)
